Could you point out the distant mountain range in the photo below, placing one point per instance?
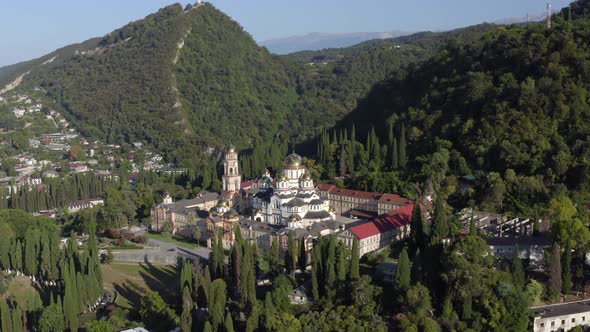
(318, 41)
(523, 19)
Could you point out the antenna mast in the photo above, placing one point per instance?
(549, 14)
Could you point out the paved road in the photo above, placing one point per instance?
(201, 252)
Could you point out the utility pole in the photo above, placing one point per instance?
(548, 14)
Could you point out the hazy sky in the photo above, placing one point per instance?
(29, 29)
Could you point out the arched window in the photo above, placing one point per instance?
(231, 171)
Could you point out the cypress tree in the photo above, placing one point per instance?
(518, 277)
(566, 269)
(274, 257)
(220, 255)
(315, 278)
(248, 280)
(341, 260)
(197, 276)
(302, 260)
(5, 252)
(229, 323)
(402, 273)
(394, 155)
(18, 256)
(207, 327)
(440, 221)
(186, 318)
(269, 312)
(71, 304)
(555, 282)
(290, 255)
(204, 289)
(217, 299)
(235, 268)
(17, 320)
(403, 158)
(416, 231)
(45, 256)
(354, 261)
(330, 266)
(5, 317)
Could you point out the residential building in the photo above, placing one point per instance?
(56, 138)
(302, 294)
(78, 205)
(19, 112)
(561, 316)
(78, 167)
(499, 225)
(529, 247)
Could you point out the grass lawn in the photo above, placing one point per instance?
(176, 239)
(21, 289)
(133, 280)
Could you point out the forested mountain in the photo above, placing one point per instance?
(514, 102)
(185, 80)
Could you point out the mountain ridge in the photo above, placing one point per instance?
(316, 41)
(187, 81)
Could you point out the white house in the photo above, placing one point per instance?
(19, 112)
(78, 205)
(561, 316)
(529, 247)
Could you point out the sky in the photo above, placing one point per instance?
(29, 29)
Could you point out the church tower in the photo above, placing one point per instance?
(231, 172)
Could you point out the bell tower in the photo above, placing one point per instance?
(231, 172)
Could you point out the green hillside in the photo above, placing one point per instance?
(187, 80)
(515, 102)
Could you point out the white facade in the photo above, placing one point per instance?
(293, 201)
(231, 172)
(562, 316)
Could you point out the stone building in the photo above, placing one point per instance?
(360, 203)
(182, 215)
(291, 199)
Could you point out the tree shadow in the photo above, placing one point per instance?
(130, 290)
(164, 281)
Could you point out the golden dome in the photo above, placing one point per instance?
(293, 160)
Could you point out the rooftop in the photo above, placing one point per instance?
(521, 241)
(398, 218)
(560, 309)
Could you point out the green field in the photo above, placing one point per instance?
(21, 289)
(176, 239)
(133, 280)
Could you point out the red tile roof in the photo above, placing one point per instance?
(362, 214)
(394, 199)
(246, 184)
(395, 219)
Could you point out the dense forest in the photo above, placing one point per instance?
(67, 280)
(508, 109)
